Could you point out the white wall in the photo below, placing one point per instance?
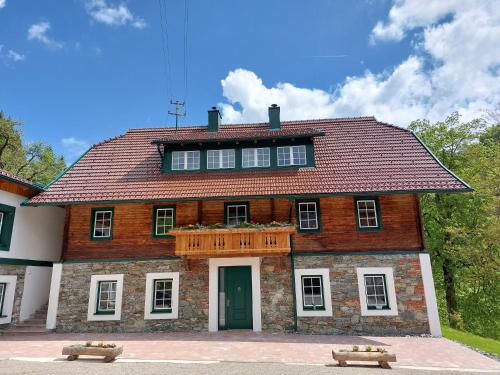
(38, 231)
(55, 285)
(36, 290)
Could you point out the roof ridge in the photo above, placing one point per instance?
(394, 126)
(249, 124)
(107, 140)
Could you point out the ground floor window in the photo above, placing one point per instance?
(162, 295)
(105, 297)
(7, 294)
(3, 287)
(313, 294)
(377, 294)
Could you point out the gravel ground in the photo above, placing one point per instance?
(93, 367)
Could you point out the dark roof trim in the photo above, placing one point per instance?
(33, 185)
(245, 138)
(229, 197)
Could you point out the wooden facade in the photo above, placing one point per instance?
(133, 226)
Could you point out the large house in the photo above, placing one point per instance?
(30, 241)
(310, 226)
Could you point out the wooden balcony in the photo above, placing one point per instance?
(227, 242)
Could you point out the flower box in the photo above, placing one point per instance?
(383, 358)
(109, 353)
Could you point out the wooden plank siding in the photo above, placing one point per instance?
(133, 226)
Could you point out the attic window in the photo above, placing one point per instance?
(220, 159)
(185, 160)
(292, 155)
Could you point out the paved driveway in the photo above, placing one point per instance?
(251, 347)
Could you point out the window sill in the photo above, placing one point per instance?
(101, 239)
(105, 313)
(169, 311)
(311, 309)
(162, 236)
(369, 229)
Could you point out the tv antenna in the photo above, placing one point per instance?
(178, 105)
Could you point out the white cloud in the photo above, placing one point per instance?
(38, 31)
(2, 3)
(454, 66)
(115, 15)
(15, 56)
(74, 147)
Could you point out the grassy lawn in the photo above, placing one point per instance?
(481, 343)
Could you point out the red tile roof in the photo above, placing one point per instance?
(356, 156)
(19, 180)
(240, 134)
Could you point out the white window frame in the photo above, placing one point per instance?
(236, 205)
(172, 210)
(148, 302)
(220, 159)
(92, 306)
(110, 223)
(290, 150)
(1, 221)
(327, 294)
(317, 216)
(8, 300)
(255, 152)
(374, 209)
(391, 291)
(185, 166)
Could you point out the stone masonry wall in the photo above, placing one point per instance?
(347, 319)
(193, 296)
(20, 271)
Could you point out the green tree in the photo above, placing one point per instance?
(34, 161)
(462, 229)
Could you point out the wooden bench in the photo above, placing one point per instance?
(74, 351)
(383, 359)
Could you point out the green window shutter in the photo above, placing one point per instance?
(7, 226)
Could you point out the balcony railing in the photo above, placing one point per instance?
(232, 241)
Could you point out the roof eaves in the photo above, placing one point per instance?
(32, 185)
(468, 188)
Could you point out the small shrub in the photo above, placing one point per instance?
(355, 348)
(368, 348)
(456, 321)
(381, 350)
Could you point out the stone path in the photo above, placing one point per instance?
(241, 346)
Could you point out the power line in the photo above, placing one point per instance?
(165, 47)
(186, 24)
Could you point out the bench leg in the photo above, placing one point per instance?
(109, 359)
(384, 364)
(342, 363)
(72, 357)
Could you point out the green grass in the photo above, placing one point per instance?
(482, 343)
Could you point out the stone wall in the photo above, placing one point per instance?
(276, 293)
(75, 287)
(20, 271)
(347, 319)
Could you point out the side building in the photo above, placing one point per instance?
(30, 241)
(308, 226)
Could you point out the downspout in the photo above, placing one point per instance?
(292, 265)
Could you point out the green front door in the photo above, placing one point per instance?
(238, 291)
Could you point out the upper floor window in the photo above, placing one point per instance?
(164, 220)
(236, 213)
(185, 160)
(292, 155)
(220, 159)
(102, 223)
(7, 214)
(308, 215)
(256, 157)
(367, 214)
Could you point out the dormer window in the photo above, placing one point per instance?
(292, 155)
(256, 157)
(220, 159)
(185, 160)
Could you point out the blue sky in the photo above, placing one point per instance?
(80, 71)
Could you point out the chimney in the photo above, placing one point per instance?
(213, 120)
(274, 117)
